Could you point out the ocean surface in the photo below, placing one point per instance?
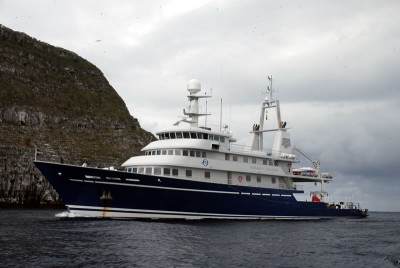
(36, 238)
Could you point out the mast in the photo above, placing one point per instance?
(192, 113)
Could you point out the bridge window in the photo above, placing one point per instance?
(245, 159)
(234, 158)
(175, 172)
(185, 153)
(148, 170)
(188, 173)
(179, 135)
(193, 135)
(207, 174)
(258, 179)
(186, 135)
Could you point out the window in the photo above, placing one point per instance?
(192, 153)
(207, 174)
(234, 157)
(198, 153)
(157, 171)
(185, 152)
(254, 160)
(248, 178)
(158, 152)
(141, 170)
(205, 136)
(129, 169)
(200, 135)
(186, 135)
(258, 179)
(265, 161)
(215, 146)
(148, 170)
(167, 171)
(134, 170)
(227, 157)
(273, 180)
(245, 159)
(193, 135)
(175, 172)
(172, 135)
(188, 173)
(177, 152)
(166, 136)
(204, 154)
(170, 152)
(179, 135)
(222, 139)
(153, 152)
(163, 152)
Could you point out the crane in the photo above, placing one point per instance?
(315, 163)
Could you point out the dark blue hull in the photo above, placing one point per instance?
(108, 193)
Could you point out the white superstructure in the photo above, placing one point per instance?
(190, 152)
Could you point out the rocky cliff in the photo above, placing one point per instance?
(52, 99)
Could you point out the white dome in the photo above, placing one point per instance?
(194, 86)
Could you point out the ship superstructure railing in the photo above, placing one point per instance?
(236, 148)
(344, 205)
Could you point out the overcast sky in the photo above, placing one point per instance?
(335, 63)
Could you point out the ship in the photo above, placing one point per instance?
(194, 171)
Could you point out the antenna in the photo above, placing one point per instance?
(205, 119)
(220, 118)
(269, 88)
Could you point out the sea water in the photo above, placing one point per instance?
(37, 238)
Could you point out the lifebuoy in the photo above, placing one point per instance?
(240, 178)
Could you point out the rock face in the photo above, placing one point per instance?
(58, 102)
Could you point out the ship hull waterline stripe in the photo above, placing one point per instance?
(110, 212)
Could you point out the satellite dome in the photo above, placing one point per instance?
(194, 86)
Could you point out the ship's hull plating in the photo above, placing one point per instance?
(96, 192)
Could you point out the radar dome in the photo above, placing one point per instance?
(194, 86)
